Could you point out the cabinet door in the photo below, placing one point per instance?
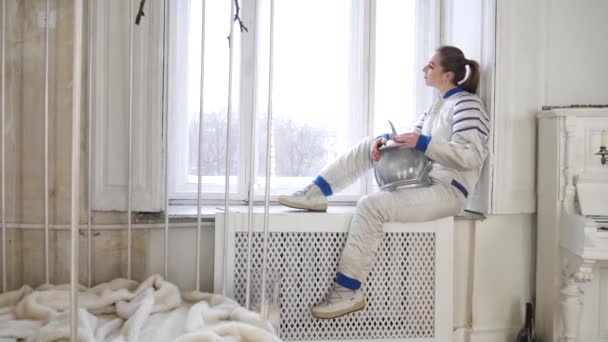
(594, 320)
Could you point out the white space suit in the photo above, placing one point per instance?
(453, 134)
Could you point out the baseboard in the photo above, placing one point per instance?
(492, 335)
(461, 335)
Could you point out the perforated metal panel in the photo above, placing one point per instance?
(400, 292)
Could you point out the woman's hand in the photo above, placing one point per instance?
(409, 140)
(374, 153)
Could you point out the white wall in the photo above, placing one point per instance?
(577, 52)
(462, 24)
(563, 44)
(551, 52)
(181, 261)
(494, 276)
(504, 275)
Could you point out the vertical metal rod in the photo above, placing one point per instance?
(268, 163)
(130, 127)
(252, 174)
(167, 9)
(200, 151)
(228, 123)
(2, 176)
(46, 144)
(250, 213)
(76, 92)
(90, 146)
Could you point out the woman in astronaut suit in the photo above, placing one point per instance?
(452, 133)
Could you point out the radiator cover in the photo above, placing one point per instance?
(408, 293)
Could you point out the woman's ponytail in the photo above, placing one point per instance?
(472, 82)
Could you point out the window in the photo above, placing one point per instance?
(341, 69)
(185, 98)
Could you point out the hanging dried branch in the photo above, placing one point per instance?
(237, 17)
(140, 13)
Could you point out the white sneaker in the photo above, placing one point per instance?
(309, 198)
(339, 302)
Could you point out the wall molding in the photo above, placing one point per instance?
(518, 95)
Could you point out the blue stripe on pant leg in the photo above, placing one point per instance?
(347, 282)
(322, 183)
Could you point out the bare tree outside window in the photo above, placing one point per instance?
(298, 149)
(214, 145)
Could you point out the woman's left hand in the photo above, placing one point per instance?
(409, 140)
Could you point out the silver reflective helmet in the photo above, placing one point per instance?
(396, 169)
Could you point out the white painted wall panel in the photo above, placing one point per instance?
(504, 274)
(518, 95)
(110, 115)
(578, 51)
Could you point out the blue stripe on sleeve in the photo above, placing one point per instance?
(384, 135)
(465, 109)
(467, 100)
(322, 183)
(470, 128)
(474, 109)
(466, 119)
(423, 142)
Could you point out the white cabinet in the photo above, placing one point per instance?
(572, 244)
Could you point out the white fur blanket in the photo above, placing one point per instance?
(125, 310)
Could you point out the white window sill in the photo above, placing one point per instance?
(208, 212)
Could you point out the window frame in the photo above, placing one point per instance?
(425, 43)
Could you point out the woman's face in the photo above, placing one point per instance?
(433, 73)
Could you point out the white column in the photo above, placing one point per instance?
(572, 300)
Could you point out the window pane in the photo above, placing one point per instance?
(215, 96)
(394, 65)
(313, 118)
